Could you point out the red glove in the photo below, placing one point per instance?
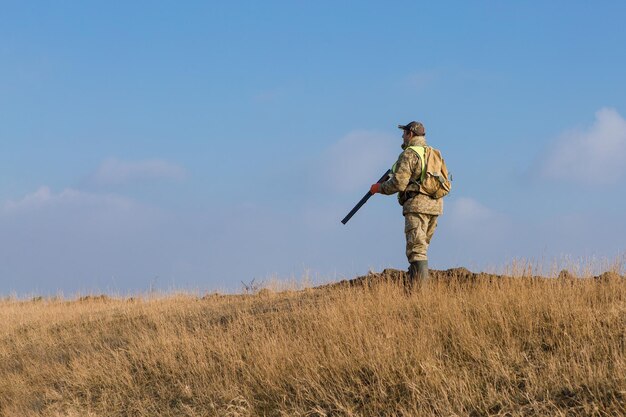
(375, 188)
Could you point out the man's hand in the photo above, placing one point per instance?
(375, 188)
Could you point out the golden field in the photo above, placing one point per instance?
(463, 345)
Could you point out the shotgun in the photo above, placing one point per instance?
(366, 197)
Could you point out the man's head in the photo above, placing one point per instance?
(412, 129)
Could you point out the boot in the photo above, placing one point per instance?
(413, 268)
(422, 270)
(418, 271)
(410, 279)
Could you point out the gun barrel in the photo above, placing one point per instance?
(364, 199)
(357, 207)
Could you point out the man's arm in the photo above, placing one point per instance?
(405, 167)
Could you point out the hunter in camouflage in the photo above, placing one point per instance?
(420, 211)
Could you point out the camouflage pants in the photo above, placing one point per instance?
(419, 229)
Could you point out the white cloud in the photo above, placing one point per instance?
(45, 198)
(73, 239)
(476, 236)
(596, 155)
(76, 240)
(358, 159)
(468, 215)
(471, 233)
(115, 172)
(267, 96)
(469, 210)
(422, 79)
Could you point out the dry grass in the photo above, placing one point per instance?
(510, 346)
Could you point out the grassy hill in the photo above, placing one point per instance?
(466, 345)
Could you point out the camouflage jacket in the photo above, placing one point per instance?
(404, 182)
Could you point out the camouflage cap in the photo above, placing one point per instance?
(415, 127)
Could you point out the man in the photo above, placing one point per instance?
(420, 211)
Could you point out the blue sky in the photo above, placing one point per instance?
(201, 144)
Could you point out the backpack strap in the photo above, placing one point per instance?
(421, 152)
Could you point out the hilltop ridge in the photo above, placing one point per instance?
(464, 344)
